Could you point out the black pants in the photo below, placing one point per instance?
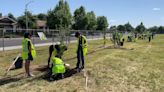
(80, 59)
(149, 39)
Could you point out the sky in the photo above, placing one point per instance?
(150, 12)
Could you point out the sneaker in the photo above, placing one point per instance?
(82, 67)
(62, 76)
(51, 79)
(76, 68)
(31, 75)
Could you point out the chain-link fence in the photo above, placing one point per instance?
(13, 38)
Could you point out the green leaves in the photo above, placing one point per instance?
(10, 15)
(60, 16)
(92, 22)
(42, 16)
(80, 19)
(140, 28)
(102, 23)
(30, 18)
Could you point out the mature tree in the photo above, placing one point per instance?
(50, 20)
(92, 22)
(60, 16)
(10, 15)
(121, 28)
(113, 28)
(140, 28)
(22, 21)
(42, 16)
(161, 30)
(0, 14)
(80, 19)
(129, 27)
(30, 19)
(102, 23)
(153, 29)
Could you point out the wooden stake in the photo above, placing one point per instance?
(86, 80)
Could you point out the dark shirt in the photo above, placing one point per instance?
(80, 44)
(29, 46)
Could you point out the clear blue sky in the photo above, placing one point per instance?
(151, 12)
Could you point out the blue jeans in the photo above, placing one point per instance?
(80, 59)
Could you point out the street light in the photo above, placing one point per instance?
(26, 8)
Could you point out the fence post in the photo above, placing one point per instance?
(92, 34)
(53, 39)
(3, 42)
(33, 33)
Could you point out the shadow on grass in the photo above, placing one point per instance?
(121, 48)
(42, 76)
(68, 73)
(9, 80)
(43, 69)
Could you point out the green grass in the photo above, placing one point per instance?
(139, 67)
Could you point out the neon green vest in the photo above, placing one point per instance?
(84, 44)
(54, 52)
(25, 50)
(58, 66)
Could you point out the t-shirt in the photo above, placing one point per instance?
(29, 45)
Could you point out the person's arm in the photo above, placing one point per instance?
(29, 47)
(51, 48)
(81, 43)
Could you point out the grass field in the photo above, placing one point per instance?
(138, 67)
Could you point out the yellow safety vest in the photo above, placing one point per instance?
(54, 52)
(25, 50)
(84, 44)
(58, 66)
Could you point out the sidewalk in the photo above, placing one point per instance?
(39, 45)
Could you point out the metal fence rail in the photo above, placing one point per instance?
(10, 37)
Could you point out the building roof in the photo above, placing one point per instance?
(7, 21)
(41, 23)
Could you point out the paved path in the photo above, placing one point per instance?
(11, 44)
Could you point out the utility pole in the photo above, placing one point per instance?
(26, 9)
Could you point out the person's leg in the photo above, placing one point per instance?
(27, 67)
(51, 48)
(82, 59)
(30, 58)
(78, 60)
(149, 39)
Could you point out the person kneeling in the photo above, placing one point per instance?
(58, 68)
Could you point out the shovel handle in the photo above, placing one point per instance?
(13, 63)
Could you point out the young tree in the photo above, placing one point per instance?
(116, 38)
